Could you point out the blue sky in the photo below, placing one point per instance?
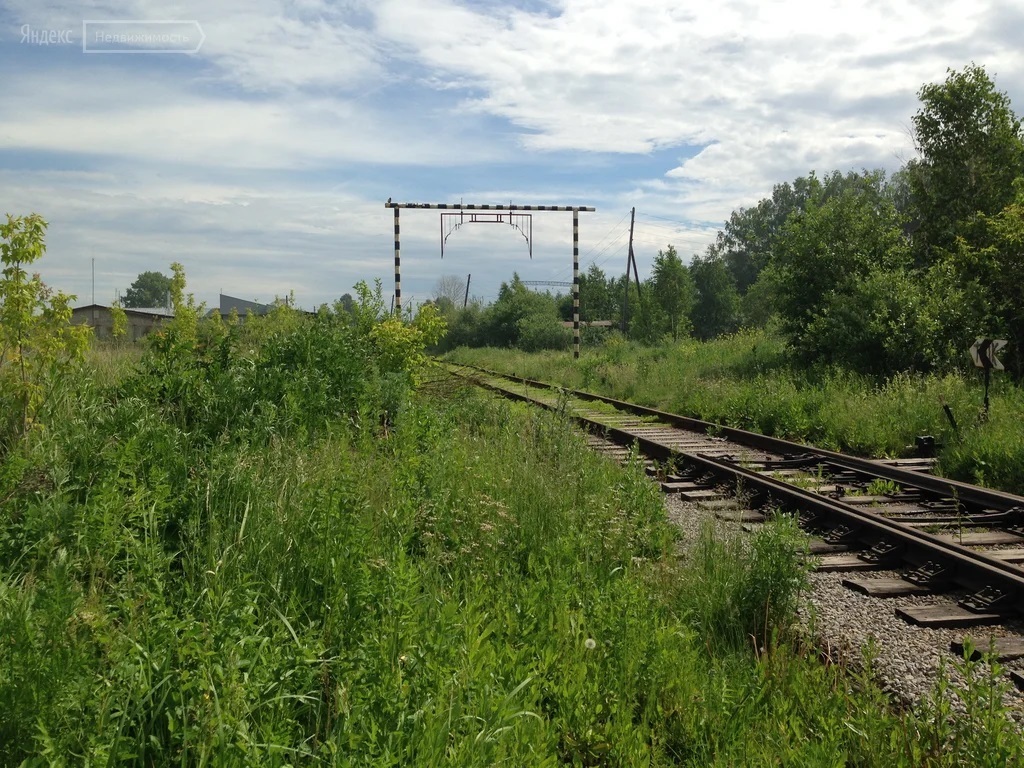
(262, 161)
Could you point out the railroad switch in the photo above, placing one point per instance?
(847, 477)
(925, 445)
(791, 461)
(1010, 519)
(1014, 517)
(945, 506)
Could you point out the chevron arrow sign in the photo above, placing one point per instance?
(983, 353)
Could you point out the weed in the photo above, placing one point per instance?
(748, 380)
(264, 546)
(883, 487)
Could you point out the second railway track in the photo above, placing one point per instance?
(940, 535)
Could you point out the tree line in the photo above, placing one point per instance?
(872, 272)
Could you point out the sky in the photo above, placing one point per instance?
(256, 141)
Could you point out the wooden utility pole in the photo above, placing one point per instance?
(465, 301)
(629, 260)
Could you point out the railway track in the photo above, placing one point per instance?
(939, 535)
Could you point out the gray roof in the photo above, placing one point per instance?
(243, 307)
(152, 311)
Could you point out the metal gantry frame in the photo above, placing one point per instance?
(521, 222)
(574, 209)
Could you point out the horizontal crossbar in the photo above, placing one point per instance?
(464, 207)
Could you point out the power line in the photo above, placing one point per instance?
(616, 226)
(654, 226)
(666, 218)
(662, 242)
(601, 252)
(613, 254)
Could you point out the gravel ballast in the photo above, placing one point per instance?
(842, 622)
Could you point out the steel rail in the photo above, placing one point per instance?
(964, 492)
(967, 568)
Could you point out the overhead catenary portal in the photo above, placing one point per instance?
(574, 209)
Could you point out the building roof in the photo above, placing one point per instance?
(157, 311)
(148, 311)
(243, 307)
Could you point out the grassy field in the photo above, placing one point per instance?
(747, 381)
(265, 548)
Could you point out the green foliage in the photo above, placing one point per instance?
(748, 239)
(873, 326)
(286, 373)
(519, 317)
(353, 595)
(741, 592)
(543, 331)
(516, 302)
(119, 320)
(989, 272)
(971, 152)
(824, 257)
(600, 298)
(750, 380)
(717, 306)
(150, 289)
(38, 344)
(465, 327)
(887, 276)
(398, 346)
(673, 291)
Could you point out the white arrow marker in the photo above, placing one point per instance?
(983, 353)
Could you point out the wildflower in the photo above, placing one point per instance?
(590, 643)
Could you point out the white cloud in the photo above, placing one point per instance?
(773, 87)
(248, 160)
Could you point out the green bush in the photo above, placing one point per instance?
(742, 594)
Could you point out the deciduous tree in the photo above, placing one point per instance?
(825, 254)
(673, 291)
(150, 289)
(37, 340)
(716, 308)
(452, 288)
(971, 152)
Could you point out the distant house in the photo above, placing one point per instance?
(241, 306)
(141, 320)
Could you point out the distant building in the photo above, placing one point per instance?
(241, 306)
(141, 320)
(589, 324)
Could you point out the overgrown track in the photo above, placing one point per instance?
(942, 534)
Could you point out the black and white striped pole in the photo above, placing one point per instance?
(575, 209)
(398, 267)
(575, 284)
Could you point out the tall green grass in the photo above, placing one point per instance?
(747, 381)
(462, 583)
